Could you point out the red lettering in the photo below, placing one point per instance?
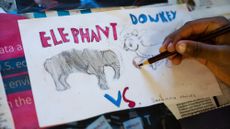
(94, 36)
(63, 35)
(44, 39)
(60, 36)
(105, 32)
(131, 103)
(75, 33)
(114, 25)
(84, 35)
(54, 38)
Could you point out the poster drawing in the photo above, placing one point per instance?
(82, 69)
(91, 62)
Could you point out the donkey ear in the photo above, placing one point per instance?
(135, 33)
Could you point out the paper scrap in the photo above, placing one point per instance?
(6, 120)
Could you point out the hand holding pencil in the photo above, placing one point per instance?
(214, 53)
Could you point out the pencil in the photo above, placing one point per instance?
(158, 57)
(222, 30)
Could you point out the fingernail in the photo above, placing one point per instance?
(163, 49)
(171, 47)
(181, 48)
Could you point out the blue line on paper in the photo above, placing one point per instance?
(111, 99)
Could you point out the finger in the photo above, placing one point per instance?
(202, 61)
(194, 49)
(177, 60)
(201, 26)
(165, 44)
(171, 47)
(196, 28)
(191, 29)
(163, 49)
(168, 39)
(171, 57)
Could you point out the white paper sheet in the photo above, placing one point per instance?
(75, 75)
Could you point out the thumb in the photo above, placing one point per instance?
(195, 49)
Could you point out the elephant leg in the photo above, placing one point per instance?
(58, 84)
(116, 69)
(102, 80)
(63, 81)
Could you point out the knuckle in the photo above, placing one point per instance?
(219, 21)
(222, 18)
(198, 49)
(168, 38)
(187, 24)
(223, 52)
(195, 50)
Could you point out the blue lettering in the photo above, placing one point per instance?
(133, 19)
(117, 101)
(154, 20)
(142, 18)
(162, 16)
(173, 14)
(168, 15)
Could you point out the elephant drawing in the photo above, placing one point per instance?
(91, 62)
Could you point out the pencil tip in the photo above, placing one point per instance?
(136, 65)
(140, 65)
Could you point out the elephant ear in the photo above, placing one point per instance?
(90, 69)
(86, 55)
(109, 55)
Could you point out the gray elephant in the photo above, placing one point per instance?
(91, 62)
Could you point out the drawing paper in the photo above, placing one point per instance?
(82, 66)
